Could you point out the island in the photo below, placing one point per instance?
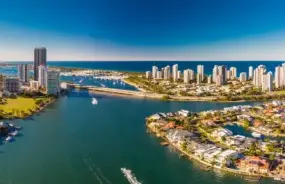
(211, 138)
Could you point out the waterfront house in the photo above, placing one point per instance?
(222, 132)
(202, 148)
(211, 155)
(178, 136)
(155, 117)
(235, 140)
(254, 164)
(184, 113)
(257, 123)
(244, 117)
(247, 144)
(226, 157)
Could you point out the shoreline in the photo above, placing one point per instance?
(191, 156)
(142, 94)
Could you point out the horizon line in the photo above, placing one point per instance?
(150, 61)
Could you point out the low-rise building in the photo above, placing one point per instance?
(226, 157)
(253, 164)
(220, 133)
(12, 84)
(34, 85)
(53, 82)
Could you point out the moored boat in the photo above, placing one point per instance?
(8, 139)
(256, 135)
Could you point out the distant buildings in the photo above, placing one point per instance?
(200, 72)
(34, 85)
(12, 84)
(250, 72)
(154, 71)
(186, 75)
(258, 75)
(233, 72)
(209, 80)
(167, 73)
(40, 58)
(148, 74)
(2, 80)
(53, 82)
(242, 77)
(23, 72)
(175, 72)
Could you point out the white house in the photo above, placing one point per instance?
(222, 132)
(184, 113)
(226, 156)
(211, 155)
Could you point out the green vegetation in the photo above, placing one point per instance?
(22, 107)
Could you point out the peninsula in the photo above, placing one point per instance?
(207, 137)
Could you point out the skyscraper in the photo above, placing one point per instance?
(242, 77)
(154, 71)
(222, 70)
(23, 72)
(215, 73)
(53, 82)
(42, 76)
(250, 72)
(269, 81)
(175, 72)
(200, 71)
(166, 73)
(233, 72)
(278, 77)
(40, 58)
(186, 76)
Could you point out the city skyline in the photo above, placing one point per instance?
(138, 31)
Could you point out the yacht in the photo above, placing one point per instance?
(15, 133)
(130, 177)
(94, 101)
(8, 139)
(256, 135)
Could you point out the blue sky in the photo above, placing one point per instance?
(143, 29)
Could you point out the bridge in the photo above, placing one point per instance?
(115, 91)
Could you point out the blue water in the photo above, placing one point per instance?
(141, 66)
(242, 66)
(98, 82)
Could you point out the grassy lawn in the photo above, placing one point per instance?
(22, 104)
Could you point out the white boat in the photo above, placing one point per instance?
(256, 135)
(15, 133)
(114, 82)
(9, 138)
(103, 85)
(279, 179)
(81, 81)
(131, 178)
(94, 101)
(11, 125)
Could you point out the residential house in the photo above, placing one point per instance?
(184, 113)
(220, 133)
(254, 164)
(226, 157)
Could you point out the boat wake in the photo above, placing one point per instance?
(130, 177)
(96, 172)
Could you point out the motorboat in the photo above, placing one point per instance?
(130, 177)
(9, 138)
(256, 135)
(94, 101)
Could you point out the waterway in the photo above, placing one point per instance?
(73, 141)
